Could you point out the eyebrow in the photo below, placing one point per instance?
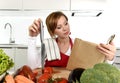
(63, 22)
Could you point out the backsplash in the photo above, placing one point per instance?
(95, 29)
(19, 29)
(20, 22)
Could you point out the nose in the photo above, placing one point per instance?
(64, 28)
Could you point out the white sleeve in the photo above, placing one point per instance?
(110, 62)
(33, 56)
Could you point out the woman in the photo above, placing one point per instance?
(58, 28)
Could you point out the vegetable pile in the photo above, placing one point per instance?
(5, 62)
(26, 75)
(101, 73)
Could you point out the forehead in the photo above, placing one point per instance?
(61, 20)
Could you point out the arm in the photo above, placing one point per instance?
(34, 56)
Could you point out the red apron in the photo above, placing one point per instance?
(59, 63)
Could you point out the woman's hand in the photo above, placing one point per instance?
(34, 28)
(108, 50)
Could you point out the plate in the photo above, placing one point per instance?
(1, 76)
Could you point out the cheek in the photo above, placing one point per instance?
(56, 32)
(68, 27)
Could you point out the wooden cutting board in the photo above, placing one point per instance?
(57, 72)
(84, 55)
(61, 72)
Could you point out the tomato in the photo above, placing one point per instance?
(48, 70)
(60, 80)
(44, 78)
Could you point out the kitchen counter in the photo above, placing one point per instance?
(16, 52)
(12, 45)
(15, 46)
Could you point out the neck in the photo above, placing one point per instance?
(63, 40)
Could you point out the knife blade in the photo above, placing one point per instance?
(43, 55)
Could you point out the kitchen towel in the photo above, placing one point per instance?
(84, 55)
(52, 49)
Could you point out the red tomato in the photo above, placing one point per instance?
(44, 78)
(61, 80)
(48, 70)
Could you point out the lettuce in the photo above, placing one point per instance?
(5, 62)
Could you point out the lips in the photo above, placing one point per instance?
(66, 33)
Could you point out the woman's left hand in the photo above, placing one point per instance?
(108, 50)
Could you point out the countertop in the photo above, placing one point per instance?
(12, 45)
(24, 45)
(16, 46)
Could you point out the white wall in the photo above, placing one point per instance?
(95, 29)
(20, 22)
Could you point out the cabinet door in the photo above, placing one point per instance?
(87, 4)
(46, 4)
(10, 4)
(10, 52)
(117, 59)
(20, 57)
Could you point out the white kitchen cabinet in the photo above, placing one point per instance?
(117, 58)
(87, 4)
(10, 52)
(18, 53)
(20, 57)
(10, 4)
(46, 4)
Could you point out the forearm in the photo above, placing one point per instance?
(34, 58)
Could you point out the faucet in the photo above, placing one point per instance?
(11, 40)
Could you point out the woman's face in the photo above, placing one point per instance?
(62, 30)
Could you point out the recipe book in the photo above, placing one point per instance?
(84, 55)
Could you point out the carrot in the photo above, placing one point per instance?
(9, 79)
(22, 79)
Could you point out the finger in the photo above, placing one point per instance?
(104, 46)
(108, 54)
(39, 20)
(36, 26)
(33, 28)
(112, 44)
(37, 23)
(102, 49)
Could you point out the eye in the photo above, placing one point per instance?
(66, 23)
(58, 27)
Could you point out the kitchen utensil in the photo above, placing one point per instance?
(110, 39)
(43, 55)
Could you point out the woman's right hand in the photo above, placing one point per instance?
(34, 28)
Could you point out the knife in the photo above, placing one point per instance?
(43, 55)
